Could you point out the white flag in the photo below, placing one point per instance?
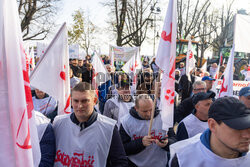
(32, 59)
(190, 60)
(132, 68)
(227, 83)
(241, 33)
(19, 138)
(216, 77)
(40, 49)
(51, 74)
(101, 74)
(165, 60)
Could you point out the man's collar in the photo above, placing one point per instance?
(91, 120)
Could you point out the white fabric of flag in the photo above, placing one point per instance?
(100, 73)
(19, 137)
(40, 49)
(216, 77)
(241, 33)
(227, 83)
(190, 60)
(51, 74)
(165, 60)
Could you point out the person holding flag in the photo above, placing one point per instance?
(145, 150)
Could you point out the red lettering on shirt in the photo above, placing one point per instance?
(77, 160)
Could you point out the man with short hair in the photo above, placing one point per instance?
(86, 138)
(244, 96)
(209, 82)
(196, 122)
(225, 143)
(75, 68)
(119, 106)
(186, 106)
(145, 150)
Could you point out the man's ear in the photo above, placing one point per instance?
(212, 124)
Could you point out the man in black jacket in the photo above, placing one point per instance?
(143, 149)
(186, 107)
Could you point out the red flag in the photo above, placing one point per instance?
(165, 60)
(19, 139)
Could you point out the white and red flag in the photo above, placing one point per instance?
(19, 138)
(216, 77)
(190, 60)
(165, 60)
(51, 74)
(100, 73)
(133, 66)
(227, 83)
(32, 59)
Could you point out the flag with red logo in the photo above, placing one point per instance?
(132, 67)
(165, 60)
(216, 77)
(51, 74)
(19, 137)
(227, 83)
(100, 73)
(190, 60)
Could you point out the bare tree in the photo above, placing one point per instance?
(82, 31)
(131, 20)
(37, 17)
(190, 17)
(223, 26)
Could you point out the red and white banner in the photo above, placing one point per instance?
(190, 60)
(227, 84)
(237, 85)
(165, 60)
(19, 138)
(51, 74)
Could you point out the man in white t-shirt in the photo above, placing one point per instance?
(226, 142)
(86, 138)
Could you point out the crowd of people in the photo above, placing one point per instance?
(110, 128)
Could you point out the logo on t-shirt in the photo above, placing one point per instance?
(78, 159)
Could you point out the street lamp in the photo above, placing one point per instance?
(155, 11)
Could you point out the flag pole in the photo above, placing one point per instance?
(31, 75)
(154, 104)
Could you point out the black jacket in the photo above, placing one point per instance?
(116, 156)
(48, 148)
(183, 109)
(136, 146)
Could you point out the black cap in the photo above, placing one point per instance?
(202, 96)
(231, 111)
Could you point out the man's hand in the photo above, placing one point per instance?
(162, 143)
(147, 140)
